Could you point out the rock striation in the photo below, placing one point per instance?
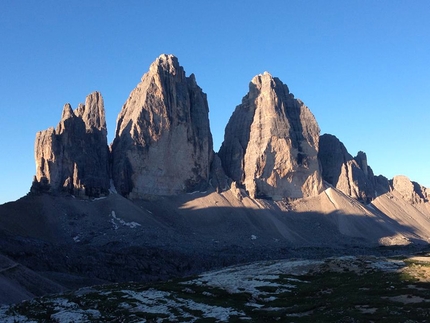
(351, 175)
(74, 157)
(271, 143)
(163, 144)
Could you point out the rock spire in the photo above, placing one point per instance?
(271, 143)
(74, 156)
(163, 143)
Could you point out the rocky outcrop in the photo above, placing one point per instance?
(410, 191)
(271, 143)
(351, 175)
(74, 156)
(163, 143)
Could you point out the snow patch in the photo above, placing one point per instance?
(116, 221)
(253, 237)
(112, 188)
(99, 198)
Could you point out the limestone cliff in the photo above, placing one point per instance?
(163, 143)
(271, 143)
(351, 175)
(74, 156)
(412, 192)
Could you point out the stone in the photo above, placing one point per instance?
(351, 175)
(218, 179)
(410, 191)
(74, 157)
(271, 143)
(163, 144)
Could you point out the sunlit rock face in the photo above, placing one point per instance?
(163, 143)
(351, 175)
(410, 191)
(74, 157)
(271, 143)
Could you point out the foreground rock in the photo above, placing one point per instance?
(74, 156)
(271, 143)
(163, 143)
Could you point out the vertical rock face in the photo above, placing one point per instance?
(410, 191)
(74, 156)
(271, 143)
(351, 175)
(163, 143)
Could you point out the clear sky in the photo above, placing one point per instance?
(362, 67)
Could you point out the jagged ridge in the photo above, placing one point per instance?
(163, 146)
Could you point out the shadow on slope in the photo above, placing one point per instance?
(85, 242)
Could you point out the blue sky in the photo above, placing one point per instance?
(362, 67)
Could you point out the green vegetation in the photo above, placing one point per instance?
(327, 295)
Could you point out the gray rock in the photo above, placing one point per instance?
(271, 143)
(74, 157)
(218, 178)
(351, 175)
(412, 192)
(163, 143)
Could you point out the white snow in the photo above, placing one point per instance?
(112, 188)
(116, 220)
(99, 198)
(77, 239)
(253, 237)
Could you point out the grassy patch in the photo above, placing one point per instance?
(322, 296)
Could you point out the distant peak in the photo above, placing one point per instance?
(166, 62)
(167, 57)
(266, 76)
(67, 112)
(267, 82)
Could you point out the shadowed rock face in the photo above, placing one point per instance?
(74, 156)
(271, 143)
(351, 175)
(163, 143)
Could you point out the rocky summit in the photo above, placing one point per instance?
(163, 143)
(271, 143)
(74, 156)
(351, 175)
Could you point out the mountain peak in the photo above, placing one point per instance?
(166, 63)
(271, 143)
(163, 144)
(74, 158)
